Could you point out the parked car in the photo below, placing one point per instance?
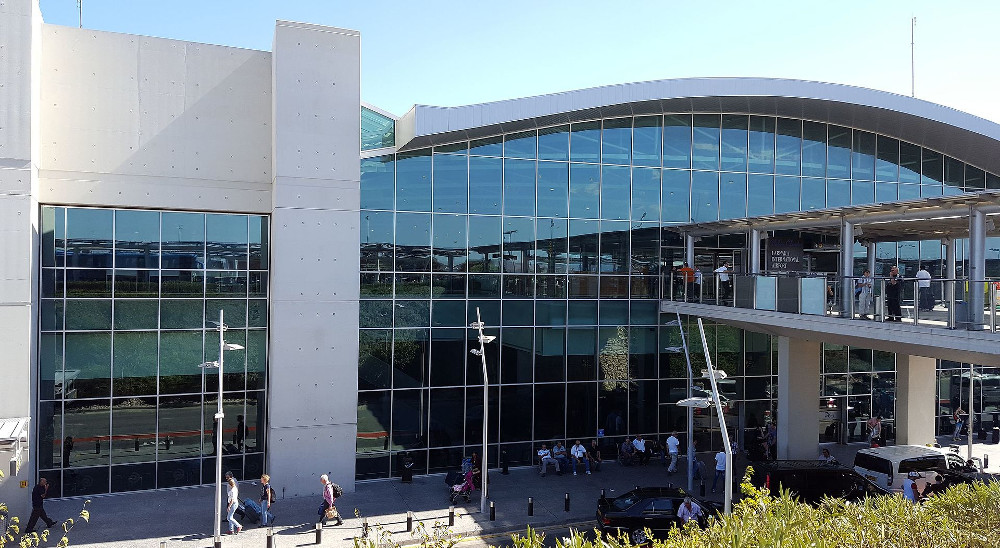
(810, 481)
(888, 466)
(941, 479)
(653, 508)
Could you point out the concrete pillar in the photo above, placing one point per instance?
(315, 230)
(846, 267)
(915, 396)
(798, 398)
(689, 250)
(951, 272)
(977, 268)
(870, 249)
(20, 66)
(754, 245)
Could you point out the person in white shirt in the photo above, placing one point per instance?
(827, 458)
(910, 489)
(688, 511)
(926, 299)
(720, 469)
(545, 457)
(579, 454)
(232, 503)
(697, 284)
(640, 449)
(725, 283)
(673, 448)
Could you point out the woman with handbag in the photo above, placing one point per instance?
(328, 510)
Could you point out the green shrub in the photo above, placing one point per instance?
(965, 516)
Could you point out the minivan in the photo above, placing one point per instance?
(888, 466)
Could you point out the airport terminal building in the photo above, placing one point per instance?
(148, 183)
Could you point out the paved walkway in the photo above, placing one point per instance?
(183, 517)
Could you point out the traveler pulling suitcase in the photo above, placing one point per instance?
(252, 510)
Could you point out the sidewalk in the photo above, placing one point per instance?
(183, 517)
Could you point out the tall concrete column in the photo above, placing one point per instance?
(315, 230)
(977, 267)
(915, 397)
(689, 250)
(870, 257)
(20, 50)
(951, 272)
(846, 266)
(798, 398)
(754, 245)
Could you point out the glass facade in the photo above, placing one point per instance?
(377, 131)
(127, 303)
(554, 236)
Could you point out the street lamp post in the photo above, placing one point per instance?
(223, 346)
(481, 352)
(716, 399)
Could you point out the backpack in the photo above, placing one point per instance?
(271, 496)
(338, 491)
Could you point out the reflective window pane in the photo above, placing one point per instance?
(89, 237)
(616, 141)
(705, 143)
(490, 146)
(378, 182)
(485, 185)
(813, 149)
(413, 240)
(734, 142)
(553, 189)
(838, 193)
(704, 196)
(760, 195)
(137, 239)
(813, 193)
(788, 146)
(484, 244)
(761, 151)
(909, 163)
(647, 139)
(520, 145)
(585, 191)
(183, 244)
(676, 192)
(615, 192)
(450, 253)
(585, 142)
(733, 196)
(863, 156)
(646, 194)
(519, 187)
(88, 365)
(786, 194)
(887, 159)
(553, 143)
(413, 181)
(839, 153)
(227, 242)
(451, 183)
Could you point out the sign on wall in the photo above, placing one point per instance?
(785, 254)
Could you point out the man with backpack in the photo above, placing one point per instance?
(328, 510)
(267, 498)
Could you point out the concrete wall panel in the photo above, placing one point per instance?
(307, 453)
(315, 253)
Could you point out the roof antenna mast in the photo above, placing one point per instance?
(79, 7)
(913, 25)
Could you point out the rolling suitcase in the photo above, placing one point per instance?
(252, 510)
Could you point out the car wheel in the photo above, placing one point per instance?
(639, 537)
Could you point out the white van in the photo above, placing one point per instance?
(888, 466)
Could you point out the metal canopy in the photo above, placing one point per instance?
(923, 219)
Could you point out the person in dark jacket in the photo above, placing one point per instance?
(37, 506)
(265, 501)
(893, 296)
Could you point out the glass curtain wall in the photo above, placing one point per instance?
(553, 235)
(129, 304)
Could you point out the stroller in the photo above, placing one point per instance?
(460, 485)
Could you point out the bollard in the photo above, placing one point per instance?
(493, 512)
(986, 462)
(163, 544)
(364, 527)
(531, 506)
(451, 516)
(319, 532)
(270, 538)
(702, 489)
(409, 522)
(567, 502)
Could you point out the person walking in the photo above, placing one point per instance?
(673, 448)
(893, 296)
(725, 284)
(720, 469)
(958, 417)
(874, 430)
(232, 503)
(863, 289)
(266, 499)
(329, 500)
(38, 495)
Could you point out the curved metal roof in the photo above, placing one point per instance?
(970, 138)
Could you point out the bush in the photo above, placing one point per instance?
(965, 516)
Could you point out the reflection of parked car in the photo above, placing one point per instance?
(987, 389)
(653, 508)
(810, 481)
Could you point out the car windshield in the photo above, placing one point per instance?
(624, 502)
(922, 464)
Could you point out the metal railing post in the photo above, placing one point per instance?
(916, 302)
(950, 294)
(718, 300)
(991, 288)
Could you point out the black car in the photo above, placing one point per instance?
(809, 481)
(653, 508)
(943, 478)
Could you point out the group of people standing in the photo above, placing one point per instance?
(864, 292)
(688, 281)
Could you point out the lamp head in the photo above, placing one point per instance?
(696, 402)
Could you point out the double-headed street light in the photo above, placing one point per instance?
(223, 346)
(703, 403)
(481, 352)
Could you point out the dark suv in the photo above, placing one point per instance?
(810, 481)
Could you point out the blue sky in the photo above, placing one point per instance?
(455, 53)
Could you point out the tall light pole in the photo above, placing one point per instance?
(716, 399)
(223, 346)
(481, 352)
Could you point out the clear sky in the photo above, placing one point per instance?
(456, 53)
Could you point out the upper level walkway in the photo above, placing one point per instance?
(949, 317)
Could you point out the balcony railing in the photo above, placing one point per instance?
(945, 303)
